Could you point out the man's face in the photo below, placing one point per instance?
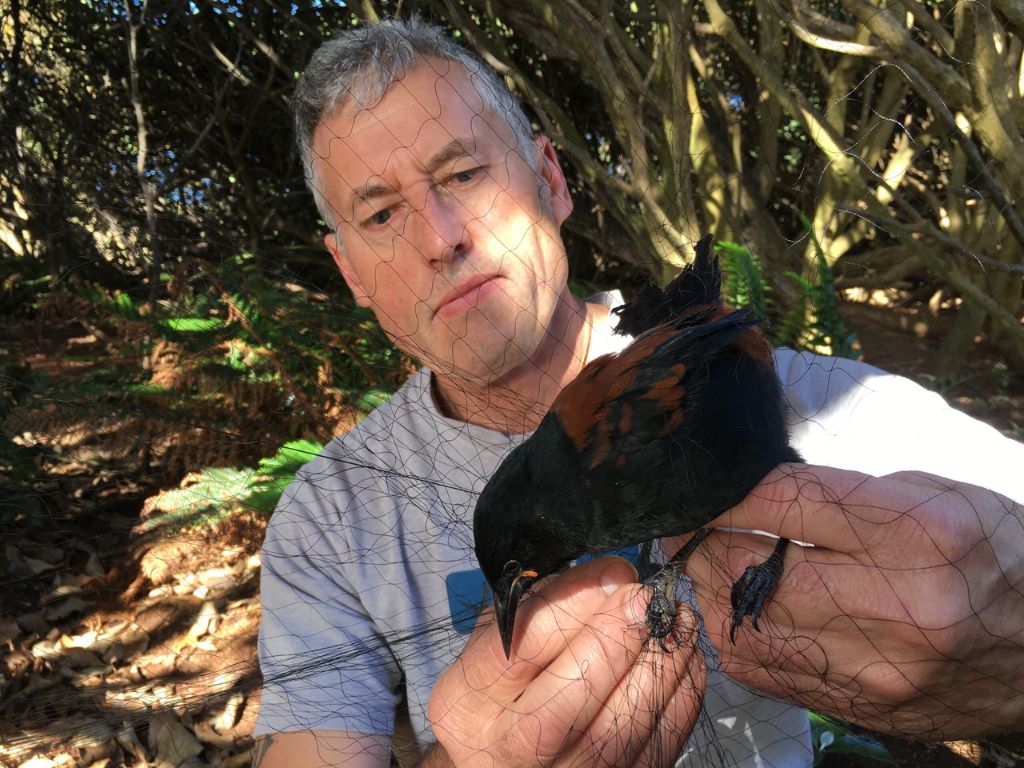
(445, 230)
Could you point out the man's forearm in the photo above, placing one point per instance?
(320, 749)
(910, 593)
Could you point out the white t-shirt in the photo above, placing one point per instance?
(370, 582)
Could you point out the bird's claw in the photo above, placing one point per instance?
(754, 588)
(662, 608)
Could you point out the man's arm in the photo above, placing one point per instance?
(578, 689)
(907, 615)
(313, 749)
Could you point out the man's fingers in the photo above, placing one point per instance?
(651, 712)
(829, 600)
(836, 509)
(488, 705)
(574, 686)
(547, 619)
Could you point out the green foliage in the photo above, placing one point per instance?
(247, 338)
(277, 471)
(20, 292)
(374, 398)
(116, 302)
(830, 737)
(232, 361)
(743, 282)
(193, 324)
(218, 492)
(813, 322)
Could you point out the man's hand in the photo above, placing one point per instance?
(907, 615)
(584, 684)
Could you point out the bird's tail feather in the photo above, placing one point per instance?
(698, 285)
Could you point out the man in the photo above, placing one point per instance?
(446, 213)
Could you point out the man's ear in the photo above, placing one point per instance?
(337, 251)
(551, 174)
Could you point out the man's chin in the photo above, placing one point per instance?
(478, 366)
(482, 351)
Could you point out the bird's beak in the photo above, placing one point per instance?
(510, 588)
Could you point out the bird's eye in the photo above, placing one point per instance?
(512, 566)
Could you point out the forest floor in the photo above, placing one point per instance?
(126, 646)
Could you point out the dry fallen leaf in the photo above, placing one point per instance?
(85, 640)
(37, 566)
(130, 744)
(77, 580)
(79, 658)
(227, 719)
(40, 761)
(60, 590)
(126, 643)
(47, 649)
(94, 567)
(34, 622)
(64, 609)
(171, 742)
(9, 630)
(15, 663)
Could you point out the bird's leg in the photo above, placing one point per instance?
(754, 587)
(661, 611)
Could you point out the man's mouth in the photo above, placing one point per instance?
(465, 295)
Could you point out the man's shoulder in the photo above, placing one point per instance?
(409, 404)
(345, 488)
(802, 370)
(378, 439)
(405, 442)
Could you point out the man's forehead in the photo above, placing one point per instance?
(431, 163)
(361, 169)
(430, 90)
(434, 109)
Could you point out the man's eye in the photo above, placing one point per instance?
(380, 218)
(464, 177)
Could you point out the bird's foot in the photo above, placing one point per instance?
(662, 609)
(754, 588)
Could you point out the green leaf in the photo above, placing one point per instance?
(371, 399)
(147, 388)
(220, 491)
(124, 306)
(192, 324)
(207, 500)
(289, 458)
(744, 283)
(830, 736)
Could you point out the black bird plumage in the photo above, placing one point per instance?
(654, 441)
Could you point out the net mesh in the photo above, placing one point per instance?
(181, 358)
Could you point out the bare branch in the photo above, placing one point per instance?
(895, 37)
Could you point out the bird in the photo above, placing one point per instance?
(656, 440)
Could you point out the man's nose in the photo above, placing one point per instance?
(440, 226)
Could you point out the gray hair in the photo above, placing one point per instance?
(360, 64)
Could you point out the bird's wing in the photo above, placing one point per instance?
(641, 392)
